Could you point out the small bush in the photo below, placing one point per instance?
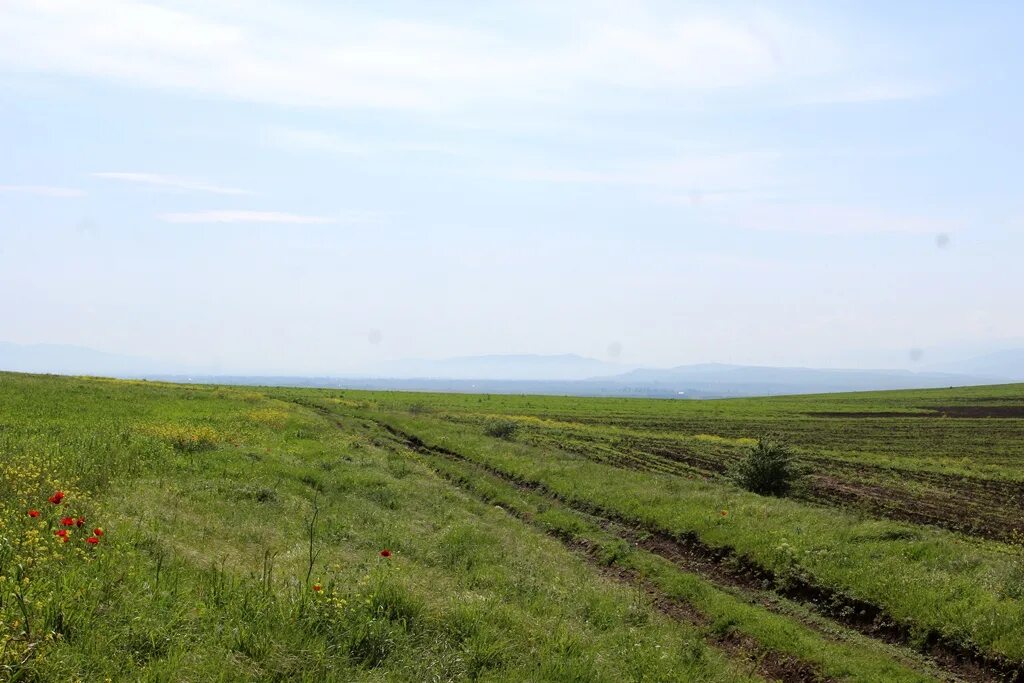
(768, 468)
(261, 494)
(502, 429)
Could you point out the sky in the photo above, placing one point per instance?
(322, 187)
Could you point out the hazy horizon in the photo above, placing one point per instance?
(1005, 363)
(297, 188)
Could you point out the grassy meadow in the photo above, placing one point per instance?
(210, 533)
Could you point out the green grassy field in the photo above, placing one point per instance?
(243, 533)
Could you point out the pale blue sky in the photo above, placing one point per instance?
(317, 187)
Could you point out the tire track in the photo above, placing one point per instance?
(969, 505)
(770, 664)
(767, 663)
(724, 566)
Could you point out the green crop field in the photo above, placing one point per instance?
(210, 533)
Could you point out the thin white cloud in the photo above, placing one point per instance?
(832, 219)
(339, 57)
(309, 140)
(713, 171)
(317, 141)
(244, 217)
(43, 190)
(170, 182)
(698, 197)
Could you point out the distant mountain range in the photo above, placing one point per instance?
(1005, 364)
(543, 374)
(746, 380)
(504, 367)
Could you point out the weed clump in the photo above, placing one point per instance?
(269, 417)
(768, 468)
(502, 429)
(379, 617)
(185, 438)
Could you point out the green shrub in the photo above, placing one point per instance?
(767, 469)
(502, 429)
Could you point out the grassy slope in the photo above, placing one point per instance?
(210, 545)
(963, 587)
(180, 587)
(993, 447)
(786, 630)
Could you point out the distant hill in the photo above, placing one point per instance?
(743, 380)
(700, 381)
(61, 359)
(565, 374)
(532, 367)
(1005, 364)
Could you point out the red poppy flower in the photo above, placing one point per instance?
(67, 521)
(80, 522)
(33, 513)
(317, 587)
(385, 553)
(92, 540)
(63, 533)
(56, 498)
(97, 531)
